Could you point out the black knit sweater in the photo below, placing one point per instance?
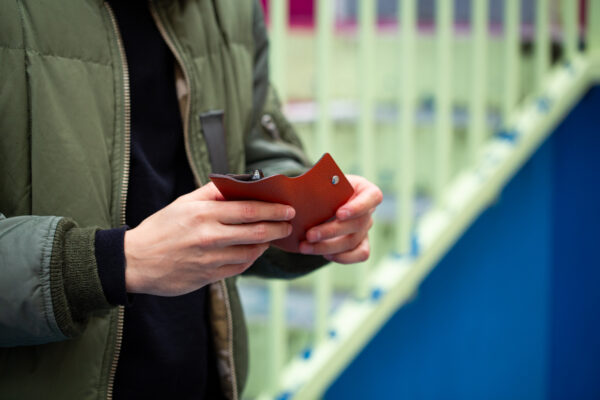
(167, 348)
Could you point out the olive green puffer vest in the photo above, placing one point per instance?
(64, 151)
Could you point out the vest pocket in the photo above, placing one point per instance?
(213, 128)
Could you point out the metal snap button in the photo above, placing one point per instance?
(335, 179)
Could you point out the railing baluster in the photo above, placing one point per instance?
(404, 177)
(593, 26)
(323, 291)
(570, 23)
(542, 42)
(323, 74)
(512, 41)
(278, 13)
(366, 124)
(277, 346)
(325, 26)
(277, 328)
(443, 98)
(477, 108)
(367, 18)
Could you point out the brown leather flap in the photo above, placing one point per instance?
(316, 195)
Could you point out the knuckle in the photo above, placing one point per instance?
(260, 232)
(207, 265)
(244, 267)
(205, 241)
(239, 268)
(249, 212)
(329, 232)
(258, 250)
(357, 240)
(250, 253)
(246, 253)
(199, 213)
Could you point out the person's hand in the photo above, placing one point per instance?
(199, 239)
(345, 239)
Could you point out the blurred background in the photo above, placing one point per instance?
(480, 121)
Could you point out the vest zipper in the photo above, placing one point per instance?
(230, 338)
(124, 186)
(186, 122)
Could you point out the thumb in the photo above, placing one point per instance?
(207, 192)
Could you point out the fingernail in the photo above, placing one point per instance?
(290, 228)
(314, 236)
(306, 248)
(290, 213)
(343, 214)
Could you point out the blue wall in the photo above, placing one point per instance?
(512, 311)
(575, 329)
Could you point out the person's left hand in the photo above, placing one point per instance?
(345, 239)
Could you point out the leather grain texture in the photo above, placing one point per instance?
(314, 195)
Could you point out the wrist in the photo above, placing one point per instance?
(133, 280)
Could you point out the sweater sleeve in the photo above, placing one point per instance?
(110, 258)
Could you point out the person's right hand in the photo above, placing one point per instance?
(199, 239)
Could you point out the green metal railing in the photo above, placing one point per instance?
(440, 121)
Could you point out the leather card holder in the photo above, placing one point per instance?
(315, 195)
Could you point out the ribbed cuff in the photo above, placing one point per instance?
(110, 257)
(74, 281)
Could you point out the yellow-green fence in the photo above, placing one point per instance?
(440, 120)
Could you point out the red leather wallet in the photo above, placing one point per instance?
(315, 195)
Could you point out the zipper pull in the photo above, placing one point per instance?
(254, 175)
(268, 123)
